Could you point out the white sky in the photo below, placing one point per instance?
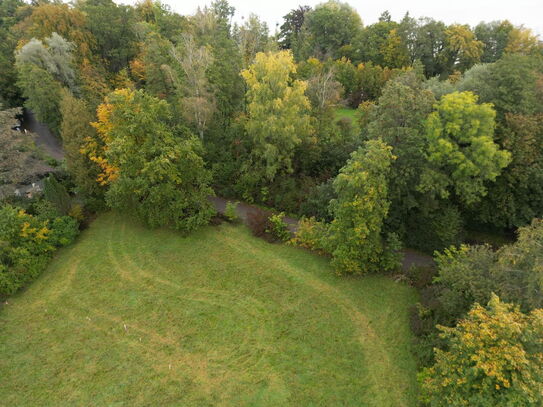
(527, 12)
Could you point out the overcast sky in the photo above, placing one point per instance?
(527, 12)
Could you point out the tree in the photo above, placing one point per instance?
(521, 264)
(494, 36)
(426, 41)
(198, 101)
(323, 90)
(56, 193)
(331, 27)
(76, 131)
(56, 58)
(463, 49)
(151, 171)
(156, 70)
(398, 119)
(8, 75)
(66, 21)
(360, 209)
(494, 358)
(42, 93)
(25, 248)
(461, 149)
(277, 116)
(470, 274)
(112, 27)
(161, 19)
(522, 40)
(394, 51)
(510, 84)
(373, 41)
(517, 195)
(211, 28)
(290, 32)
(252, 37)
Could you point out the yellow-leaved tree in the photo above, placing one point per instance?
(277, 118)
(494, 358)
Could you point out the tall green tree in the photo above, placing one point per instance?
(112, 27)
(511, 85)
(291, 36)
(361, 206)
(76, 131)
(332, 28)
(277, 117)
(9, 16)
(152, 172)
(398, 119)
(42, 93)
(494, 36)
(461, 149)
(426, 41)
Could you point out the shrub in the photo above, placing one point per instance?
(216, 220)
(77, 212)
(26, 244)
(257, 221)
(56, 193)
(24, 248)
(64, 230)
(421, 276)
(45, 209)
(277, 227)
(392, 254)
(230, 211)
(311, 234)
(317, 201)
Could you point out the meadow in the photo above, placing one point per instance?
(129, 316)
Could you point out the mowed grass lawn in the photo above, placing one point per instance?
(347, 112)
(135, 317)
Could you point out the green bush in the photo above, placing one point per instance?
(57, 194)
(230, 211)
(45, 209)
(64, 230)
(392, 254)
(27, 243)
(311, 234)
(77, 212)
(24, 248)
(278, 228)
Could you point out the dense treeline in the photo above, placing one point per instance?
(158, 111)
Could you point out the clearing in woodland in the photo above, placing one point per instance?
(129, 316)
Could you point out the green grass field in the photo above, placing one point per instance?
(347, 112)
(133, 317)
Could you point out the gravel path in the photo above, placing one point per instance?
(411, 256)
(45, 139)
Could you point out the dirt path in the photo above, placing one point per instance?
(244, 209)
(411, 257)
(45, 139)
